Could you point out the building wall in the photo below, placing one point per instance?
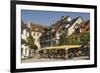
(57, 37)
(24, 51)
(71, 29)
(36, 36)
(24, 48)
(25, 34)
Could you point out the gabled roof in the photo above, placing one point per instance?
(37, 27)
(24, 26)
(86, 25)
(59, 22)
(74, 20)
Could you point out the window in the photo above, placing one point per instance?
(76, 38)
(37, 34)
(77, 30)
(34, 33)
(37, 40)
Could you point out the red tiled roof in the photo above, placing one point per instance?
(37, 27)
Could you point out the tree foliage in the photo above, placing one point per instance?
(30, 42)
(84, 39)
(23, 41)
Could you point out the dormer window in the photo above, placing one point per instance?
(69, 19)
(67, 25)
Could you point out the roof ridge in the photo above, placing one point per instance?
(36, 24)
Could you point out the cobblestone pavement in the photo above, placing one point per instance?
(35, 59)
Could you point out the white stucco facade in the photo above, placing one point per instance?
(35, 32)
(72, 29)
(24, 48)
(36, 36)
(25, 51)
(24, 34)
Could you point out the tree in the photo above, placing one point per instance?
(85, 38)
(30, 43)
(63, 39)
(23, 41)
